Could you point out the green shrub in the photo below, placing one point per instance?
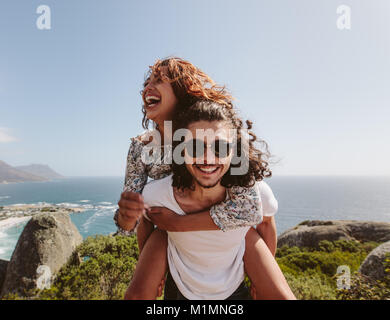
(100, 268)
(311, 272)
(313, 286)
(364, 288)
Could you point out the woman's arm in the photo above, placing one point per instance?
(166, 219)
(131, 206)
(241, 210)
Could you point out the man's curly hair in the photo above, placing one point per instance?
(211, 111)
(188, 82)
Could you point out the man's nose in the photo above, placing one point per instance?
(209, 156)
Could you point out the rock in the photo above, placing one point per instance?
(46, 243)
(3, 270)
(310, 233)
(373, 265)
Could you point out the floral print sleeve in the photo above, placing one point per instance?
(136, 174)
(242, 209)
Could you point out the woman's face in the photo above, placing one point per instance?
(159, 98)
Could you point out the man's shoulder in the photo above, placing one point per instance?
(158, 193)
(156, 187)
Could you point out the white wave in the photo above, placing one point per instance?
(97, 215)
(2, 234)
(2, 251)
(105, 202)
(41, 204)
(106, 207)
(84, 200)
(10, 222)
(4, 197)
(68, 205)
(87, 206)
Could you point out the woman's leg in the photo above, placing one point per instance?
(151, 268)
(263, 270)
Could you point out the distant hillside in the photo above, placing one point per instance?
(11, 174)
(41, 170)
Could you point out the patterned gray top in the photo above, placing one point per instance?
(243, 208)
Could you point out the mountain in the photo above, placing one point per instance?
(11, 174)
(40, 170)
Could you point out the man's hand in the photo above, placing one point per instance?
(163, 218)
(131, 208)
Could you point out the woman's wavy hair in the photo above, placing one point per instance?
(189, 84)
(211, 111)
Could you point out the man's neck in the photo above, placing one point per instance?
(200, 198)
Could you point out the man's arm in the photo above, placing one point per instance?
(267, 230)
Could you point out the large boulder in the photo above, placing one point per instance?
(373, 265)
(45, 244)
(310, 233)
(3, 270)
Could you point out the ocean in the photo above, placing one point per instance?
(299, 198)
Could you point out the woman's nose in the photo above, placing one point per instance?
(149, 86)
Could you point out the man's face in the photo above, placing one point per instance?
(208, 151)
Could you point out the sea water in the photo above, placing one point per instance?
(299, 198)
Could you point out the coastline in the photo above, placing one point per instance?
(10, 222)
(17, 213)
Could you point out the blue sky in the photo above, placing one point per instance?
(69, 96)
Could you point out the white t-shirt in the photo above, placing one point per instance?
(203, 264)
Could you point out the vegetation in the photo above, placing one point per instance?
(312, 273)
(102, 267)
(363, 288)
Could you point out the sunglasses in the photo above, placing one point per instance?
(195, 148)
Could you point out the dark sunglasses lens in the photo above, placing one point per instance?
(195, 148)
(222, 148)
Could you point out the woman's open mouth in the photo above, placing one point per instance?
(152, 101)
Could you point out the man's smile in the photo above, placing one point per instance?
(207, 169)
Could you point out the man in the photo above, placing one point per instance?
(205, 262)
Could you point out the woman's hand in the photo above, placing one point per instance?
(131, 208)
(163, 218)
